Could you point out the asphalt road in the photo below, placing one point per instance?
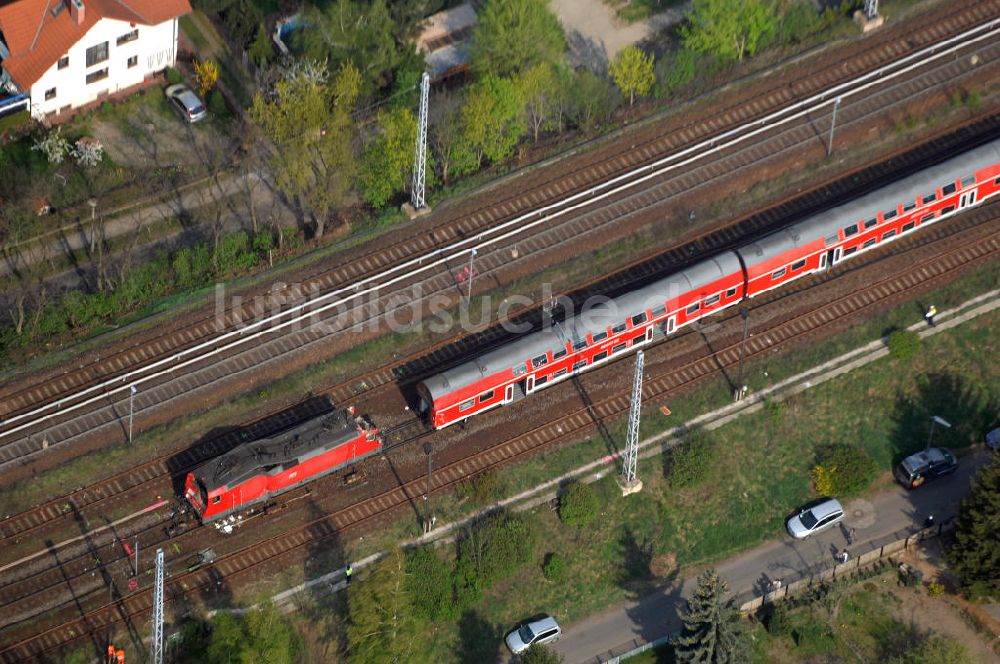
(888, 516)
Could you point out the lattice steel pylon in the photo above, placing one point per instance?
(420, 158)
(871, 9)
(632, 438)
(158, 610)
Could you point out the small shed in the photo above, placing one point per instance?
(444, 41)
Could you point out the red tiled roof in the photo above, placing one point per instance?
(37, 39)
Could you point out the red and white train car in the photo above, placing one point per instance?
(542, 358)
(258, 470)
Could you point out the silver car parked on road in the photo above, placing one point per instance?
(815, 517)
(544, 630)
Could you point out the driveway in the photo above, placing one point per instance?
(888, 516)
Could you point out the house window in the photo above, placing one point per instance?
(64, 62)
(97, 54)
(98, 75)
(50, 94)
(133, 61)
(127, 37)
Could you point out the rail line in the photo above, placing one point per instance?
(22, 417)
(938, 267)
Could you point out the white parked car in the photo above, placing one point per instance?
(815, 518)
(544, 630)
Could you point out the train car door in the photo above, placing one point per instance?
(671, 324)
(830, 258)
(530, 385)
(509, 394)
(967, 199)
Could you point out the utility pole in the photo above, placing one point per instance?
(92, 202)
(420, 158)
(158, 611)
(472, 257)
(871, 9)
(833, 124)
(741, 390)
(629, 482)
(936, 420)
(131, 411)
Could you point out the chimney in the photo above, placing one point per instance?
(76, 11)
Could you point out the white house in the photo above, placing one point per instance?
(56, 55)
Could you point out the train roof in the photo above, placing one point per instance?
(826, 224)
(295, 445)
(575, 328)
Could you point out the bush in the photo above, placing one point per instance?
(173, 76)
(799, 21)
(233, 253)
(935, 589)
(554, 568)
(777, 621)
(579, 505)
(843, 469)
(482, 489)
(492, 550)
(429, 582)
(903, 344)
(675, 71)
(217, 104)
(689, 463)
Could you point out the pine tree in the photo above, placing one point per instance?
(712, 632)
(975, 555)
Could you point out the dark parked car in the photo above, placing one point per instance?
(918, 468)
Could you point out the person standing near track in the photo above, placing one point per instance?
(930, 314)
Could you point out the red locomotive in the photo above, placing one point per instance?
(257, 470)
(614, 328)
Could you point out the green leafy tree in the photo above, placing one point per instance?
(263, 635)
(675, 71)
(261, 50)
(730, 28)
(593, 100)
(383, 626)
(492, 123)
(539, 654)
(974, 555)
(632, 71)
(712, 631)
(429, 583)
(310, 123)
(579, 505)
(387, 163)
(843, 469)
(542, 92)
(512, 35)
(936, 650)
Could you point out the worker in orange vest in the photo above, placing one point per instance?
(111, 653)
(121, 656)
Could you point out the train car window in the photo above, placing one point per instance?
(466, 405)
(909, 206)
(929, 198)
(909, 226)
(639, 319)
(731, 292)
(948, 189)
(540, 361)
(888, 234)
(618, 328)
(888, 215)
(541, 380)
(559, 353)
(997, 182)
(831, 239)
(600, 336)
(659, 311)
(968, 181)
(870, 223)
(561, 372)
(848, 252)
(638, 340)
(926, 217)
(485, 396)
(579, 345)
(869, 243)
(850, 230)
(694, 308)
(778, 274)
(520, 369)
(579, 365)
(799, 264)
(600, 356)
(712, 300)
(619, 348)
(946, 210)
(216, 499)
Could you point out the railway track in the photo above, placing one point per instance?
(152, 478)
(89, 401)
(950, 253)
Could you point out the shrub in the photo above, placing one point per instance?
(173, 76)
(492, 550)
(429, 582)
(233, 253)
(483, 488)
(689, 463)
(777, 621)
(675, 71)
(554, 568)
(217, 104)
(843, 469)
(903, 344)
(935, 589)
(579, 505)
(799, 21)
